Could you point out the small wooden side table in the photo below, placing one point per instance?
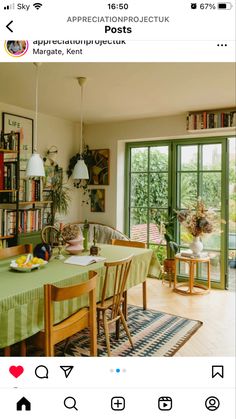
(193, 288)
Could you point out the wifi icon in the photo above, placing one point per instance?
(37, 5)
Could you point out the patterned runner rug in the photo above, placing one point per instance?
(154, 334)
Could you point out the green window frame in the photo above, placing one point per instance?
(173, 192)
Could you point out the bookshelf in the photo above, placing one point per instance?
(25, 204)
(9, 188)
(211, 120)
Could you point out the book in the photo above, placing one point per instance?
(189, 254)
(84, 260)
(1, 171)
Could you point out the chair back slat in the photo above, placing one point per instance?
(85, 317)
(120, 270)
(15, 250)
(128, 243)
(67, 293)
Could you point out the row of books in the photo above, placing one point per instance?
(29, 220)
(9, 141)
(207, 120)
(8, 197)
(7, 222)
(30, 190)
(8, 175)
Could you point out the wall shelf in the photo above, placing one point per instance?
(211, 120)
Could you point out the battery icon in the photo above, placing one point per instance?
(225, 6)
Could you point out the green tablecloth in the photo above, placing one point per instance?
(21, 294)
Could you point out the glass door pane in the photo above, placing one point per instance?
(149, 195)
(232, 215)
(199, 174)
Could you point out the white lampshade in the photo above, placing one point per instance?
(35, 166)
(80, 170)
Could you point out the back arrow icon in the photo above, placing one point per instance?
(8, 26)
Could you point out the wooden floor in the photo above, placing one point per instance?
(216, 310)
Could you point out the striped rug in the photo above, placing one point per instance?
(154, 334)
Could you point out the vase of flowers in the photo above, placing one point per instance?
(196, 246)
(72, 235)
(198, 221)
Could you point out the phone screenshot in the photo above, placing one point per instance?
(117, 209)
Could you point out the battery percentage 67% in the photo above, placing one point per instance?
(209, 6)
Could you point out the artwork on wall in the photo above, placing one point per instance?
(99, 167)
(25, 127)
(97, 198)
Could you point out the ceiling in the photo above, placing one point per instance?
(119, 91)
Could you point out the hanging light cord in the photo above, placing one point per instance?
(36, 109)
(81, 121)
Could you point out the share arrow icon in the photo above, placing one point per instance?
(67, 369)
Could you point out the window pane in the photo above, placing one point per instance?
(185, 237)
(189, 157)
(211, 241)
(188, 189)
(139, 159)
(232, 193)
(211, 157)
(156, 230)
(211, 189)
(158, 159)
(215, 267)
(139, 190)
(160, 251)
(138, 224)
(158, 189)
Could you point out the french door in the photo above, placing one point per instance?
(201, 171)
(171, 175)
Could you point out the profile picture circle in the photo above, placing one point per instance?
(16, 48)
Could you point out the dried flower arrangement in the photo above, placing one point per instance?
(71, 232)
(199, 220)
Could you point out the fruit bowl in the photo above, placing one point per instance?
(27, 264)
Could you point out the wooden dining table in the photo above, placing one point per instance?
(21, 293)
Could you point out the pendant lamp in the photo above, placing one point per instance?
(35, 167)
(80, 170)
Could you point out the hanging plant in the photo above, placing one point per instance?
(82, 183)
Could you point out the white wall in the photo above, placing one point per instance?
(59, 132)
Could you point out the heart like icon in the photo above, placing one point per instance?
(16, 371)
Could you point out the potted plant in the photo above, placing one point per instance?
(172, 246)
(83, 183)
(60, 196)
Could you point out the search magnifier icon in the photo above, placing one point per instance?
(41, 371)
(70, 403)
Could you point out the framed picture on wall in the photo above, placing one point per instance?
(25, 126)
(99, 167)
(97, 198)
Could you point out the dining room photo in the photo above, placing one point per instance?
(117, 209)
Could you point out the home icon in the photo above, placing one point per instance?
(23, 404)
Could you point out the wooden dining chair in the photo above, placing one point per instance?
(85, 317)
(140, 245)
(117, 272)
(21, 249)
(9, 252)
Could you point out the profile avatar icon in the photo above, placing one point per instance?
(212, 403)
(16, 48)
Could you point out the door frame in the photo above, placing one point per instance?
(172, 188)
